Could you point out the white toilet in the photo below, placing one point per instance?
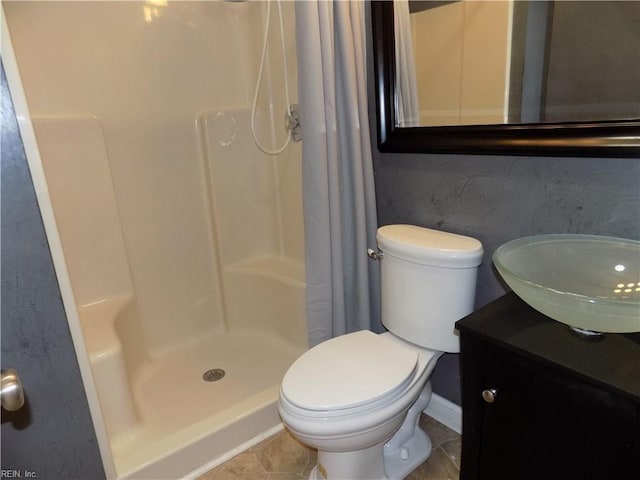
(357, 398)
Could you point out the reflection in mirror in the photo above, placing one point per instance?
(466, 62)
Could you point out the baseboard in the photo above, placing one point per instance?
(445, 412)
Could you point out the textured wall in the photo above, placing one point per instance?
(52, 435)
(496, 199)
(576, 87)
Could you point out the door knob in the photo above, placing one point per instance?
(489, 395)
(12, 394)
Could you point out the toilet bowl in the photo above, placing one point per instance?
(350, 423)
(357, 398)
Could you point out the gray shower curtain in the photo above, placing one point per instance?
(338, 186)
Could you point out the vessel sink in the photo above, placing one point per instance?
(588, 282)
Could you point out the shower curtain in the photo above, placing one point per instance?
(407, 96)
(339, 197)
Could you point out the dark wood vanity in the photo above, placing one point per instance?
(539, 402)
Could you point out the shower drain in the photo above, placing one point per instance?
(213, 375)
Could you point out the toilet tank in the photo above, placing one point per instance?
(428, 282)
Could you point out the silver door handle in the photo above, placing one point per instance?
(12, 394)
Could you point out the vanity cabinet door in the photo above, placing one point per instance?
(510, 427)
(540, 422)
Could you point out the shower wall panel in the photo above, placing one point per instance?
(258, 219)
(146, 71)
(289, 174)
(80, 186)
(256, 197)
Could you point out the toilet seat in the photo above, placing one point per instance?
(350, 373)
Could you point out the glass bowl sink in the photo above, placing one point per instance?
(588, 282)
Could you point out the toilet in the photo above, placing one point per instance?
(357, 398)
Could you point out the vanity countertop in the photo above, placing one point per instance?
(612, 362)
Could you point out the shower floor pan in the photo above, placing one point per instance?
(187, 425)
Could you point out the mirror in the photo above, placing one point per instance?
(508, 77)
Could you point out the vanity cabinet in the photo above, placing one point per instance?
(541, 403)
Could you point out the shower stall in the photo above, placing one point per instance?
(183, 242)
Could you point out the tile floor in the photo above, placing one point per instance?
(281, 457)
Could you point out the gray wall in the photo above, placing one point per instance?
(583, 61)
(604, 82)
(496, 199)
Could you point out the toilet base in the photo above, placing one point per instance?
(369, 464)
(359, 465)
(413, 454)
(393, 460)
(410, 446)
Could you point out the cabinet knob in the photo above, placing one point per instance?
(489, 395)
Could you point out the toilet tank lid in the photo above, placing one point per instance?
(429, 247)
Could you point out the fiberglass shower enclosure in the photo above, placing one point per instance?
(183, 242)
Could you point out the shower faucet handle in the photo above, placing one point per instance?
(292, 122)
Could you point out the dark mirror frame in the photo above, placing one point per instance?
(571, 139)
